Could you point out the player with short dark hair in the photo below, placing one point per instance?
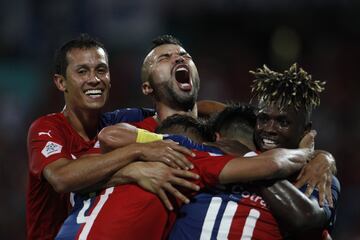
(236, 121)
(179, 124)
(84, 41)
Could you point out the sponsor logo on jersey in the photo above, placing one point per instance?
(51, 148)
(45, 133)
(239, 192)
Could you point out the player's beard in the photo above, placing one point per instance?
(177, 100)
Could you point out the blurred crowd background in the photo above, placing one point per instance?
(225, 38)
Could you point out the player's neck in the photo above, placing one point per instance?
(85, 123)
(163, 111)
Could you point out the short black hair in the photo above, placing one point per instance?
(84, 41)
(165, 39)
(179, 123)
(235, 119)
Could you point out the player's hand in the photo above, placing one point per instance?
(308, 141)
(317, 174)
(160, 179)
(168, 152)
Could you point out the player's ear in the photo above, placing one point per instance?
(146, 88)
(60, 82)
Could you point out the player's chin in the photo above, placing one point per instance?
(95, 105)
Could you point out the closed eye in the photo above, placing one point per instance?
(163, 57)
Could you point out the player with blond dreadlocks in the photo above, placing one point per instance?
(275, 210)
(286, 101)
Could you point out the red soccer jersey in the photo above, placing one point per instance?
(129, 212)
(50, 138)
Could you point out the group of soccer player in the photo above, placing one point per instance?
(245, 172)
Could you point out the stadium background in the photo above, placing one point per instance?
(225, 38)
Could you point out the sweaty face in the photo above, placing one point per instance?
(87, 78)
(275, 128)
(173, 76)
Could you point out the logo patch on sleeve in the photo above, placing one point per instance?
(51, 148)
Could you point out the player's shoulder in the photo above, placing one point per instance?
(48, 125)
(52, 118)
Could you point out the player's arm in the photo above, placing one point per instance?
(117, 136)
(123, 134)
(157, 178)
(299, 216)
(153, 177)
(306, 214)
(67, 175)
(293, 210)
(276, 163)
(284, 198)
(272, 164)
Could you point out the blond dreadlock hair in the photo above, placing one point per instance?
(295, 87)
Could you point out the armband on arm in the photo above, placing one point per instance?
(144, 136)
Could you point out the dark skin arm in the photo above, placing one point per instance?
(318, 174)
(307, 218)
(284, 198)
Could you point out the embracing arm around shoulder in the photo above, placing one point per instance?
(276, 163)
(67, 175)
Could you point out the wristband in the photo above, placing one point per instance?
(144, 136)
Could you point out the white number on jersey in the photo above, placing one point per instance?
(226, 220)
(89, 220)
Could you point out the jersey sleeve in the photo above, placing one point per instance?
(46, 143)
(209, 161)
(329, 211)
(209, 168)
(125, 115)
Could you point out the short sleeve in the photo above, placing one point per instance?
(46, 143)
(209, 168)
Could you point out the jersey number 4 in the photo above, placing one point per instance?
(89, 220)
(226, 220)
